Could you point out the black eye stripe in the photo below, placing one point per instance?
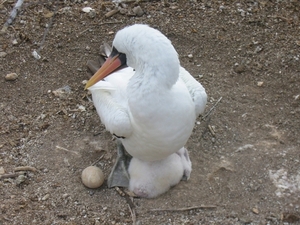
(114, 52)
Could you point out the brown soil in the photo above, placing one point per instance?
(245, 154)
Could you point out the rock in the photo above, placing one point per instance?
(190, 56)
(36, 55)
(92, 14)
(138, 11)
(15, 42)
(65, 195)
(62, 92)
(45, 197)
(255, 210)
(123, 11)
(2, 171)
(92, 177)
(11, 76)
(87, 9)
(260, 83)
(20, 179)
(81, 108)
(239, 68)
(258, 49)
(3, 54)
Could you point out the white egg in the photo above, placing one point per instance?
(92, 177)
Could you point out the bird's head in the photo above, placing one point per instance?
(142, 48)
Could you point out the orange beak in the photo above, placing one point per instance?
(114, 62)
(111, 64)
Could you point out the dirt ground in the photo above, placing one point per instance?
(245, 153)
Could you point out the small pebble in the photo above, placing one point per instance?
(138, 11)
(11, 76)
(45, 197)
(97, 222)
(255, 210)
(62, 92)
(36, 55)
(3, 54)
(258, 49)
(87, 9)
(239, 68)
(15, 42)
(81, 108)
(190, 56)
(2, 171)
(65, 195)
(92, 177)
(260, 83)
(92, 14)
(123, 11)
(20, 179)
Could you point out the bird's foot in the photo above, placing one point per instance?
(119, 176)
(186, 162)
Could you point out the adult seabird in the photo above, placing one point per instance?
(153, 103)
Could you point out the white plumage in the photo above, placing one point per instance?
(154, 102)
(150, 179)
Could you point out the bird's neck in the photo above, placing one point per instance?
(150, 82)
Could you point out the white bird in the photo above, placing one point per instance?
(150, 179)
(153, 103)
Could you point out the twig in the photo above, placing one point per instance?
(94, 163)
(186, 209)
(211, 109)
(11, 175)
(3, 2)
(46, 32)
(67, 150)
(111, 13)
(128, 1)
(120, 192)
(131, 209)
(26, 168)
(12, 15)
(211, 130)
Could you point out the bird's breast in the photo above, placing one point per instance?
(161, 124)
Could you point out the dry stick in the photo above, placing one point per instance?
(111, 13)
(128, 1)
(131, 208)
(186, 209)
(25, 168)
(67, 150)
(46, 32)
(94, 163)
(120, 192)
(211, 109)
(3, 2)
(211, 130)
(11, 175)
(12, 15)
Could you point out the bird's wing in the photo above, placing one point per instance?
(110, 101)
(196, 90)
